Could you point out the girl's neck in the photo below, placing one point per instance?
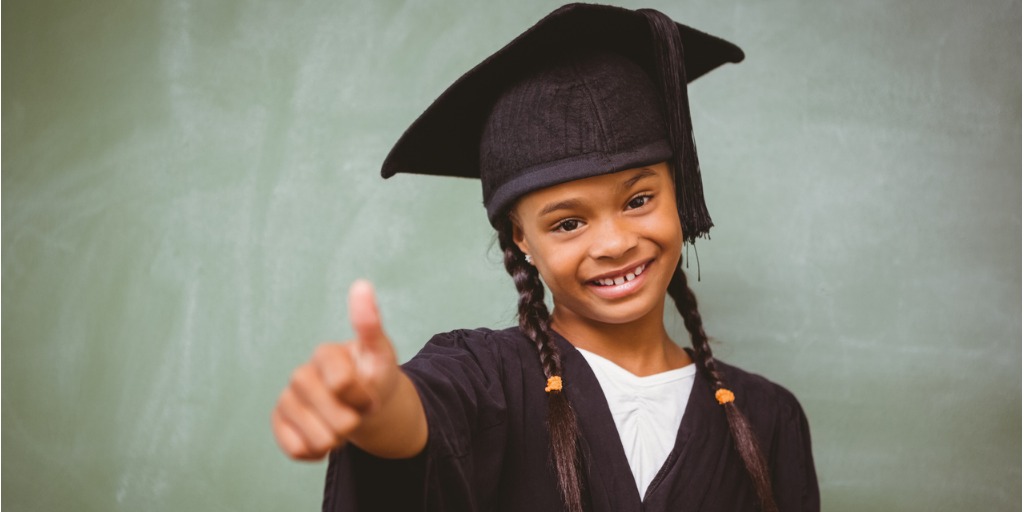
(642, 347)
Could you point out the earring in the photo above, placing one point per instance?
(529, 259)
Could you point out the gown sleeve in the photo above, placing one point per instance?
(794, 479)
(457, 376)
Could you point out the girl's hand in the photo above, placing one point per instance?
(331, 398)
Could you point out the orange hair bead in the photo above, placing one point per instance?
(554, 384)
(724, 396)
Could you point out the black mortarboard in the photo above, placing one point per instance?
(588, 90)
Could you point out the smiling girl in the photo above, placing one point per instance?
(579, 131)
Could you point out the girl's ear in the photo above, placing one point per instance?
(518, 236)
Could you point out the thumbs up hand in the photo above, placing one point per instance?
(351, 391)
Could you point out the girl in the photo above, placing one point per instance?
(579, 131)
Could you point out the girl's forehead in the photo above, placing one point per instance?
(592, 189)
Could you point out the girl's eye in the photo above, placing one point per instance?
(639, 201)
(568, 225)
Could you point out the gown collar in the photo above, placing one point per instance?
(684, 478)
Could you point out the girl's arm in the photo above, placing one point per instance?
(352, 391)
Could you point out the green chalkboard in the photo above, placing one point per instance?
(189, 187)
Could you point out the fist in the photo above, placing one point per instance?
(329, 398)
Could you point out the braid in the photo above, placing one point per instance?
(534, 322)
(739, 425)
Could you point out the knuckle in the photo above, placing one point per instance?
(358, 398)
(349, 423)
(286, 402)
(319, 447)
(301, 377)
(324, 351)
(338, 375)
(288, 439)
(344, 421)
(341, 381)
(295, 449)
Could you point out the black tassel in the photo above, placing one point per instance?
(668, 51)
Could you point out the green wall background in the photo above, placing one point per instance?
(189, 187)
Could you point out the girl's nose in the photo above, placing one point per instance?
(613, 239)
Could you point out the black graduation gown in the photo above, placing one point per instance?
(488, 448)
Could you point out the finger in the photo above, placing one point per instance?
(311, 389)
(288, 438)
(316, 436)
(336, 369)
(364, 316)
(292, 442)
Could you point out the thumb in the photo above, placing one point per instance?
(365, 318)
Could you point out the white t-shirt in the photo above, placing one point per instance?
(647, 412)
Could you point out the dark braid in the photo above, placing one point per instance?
(535, 321)
(739, 425)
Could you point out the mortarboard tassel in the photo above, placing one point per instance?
(668, 51)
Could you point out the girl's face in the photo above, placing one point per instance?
(605, 246)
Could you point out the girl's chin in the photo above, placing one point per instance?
(604, 315)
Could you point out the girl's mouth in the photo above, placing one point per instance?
(624, 278)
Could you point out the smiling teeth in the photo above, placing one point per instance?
(622, 279)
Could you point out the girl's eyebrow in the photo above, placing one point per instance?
(643, 173)
(568, 204)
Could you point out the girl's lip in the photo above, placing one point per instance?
(621, 272)
(621, 290)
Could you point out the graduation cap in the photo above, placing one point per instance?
(588, 90)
